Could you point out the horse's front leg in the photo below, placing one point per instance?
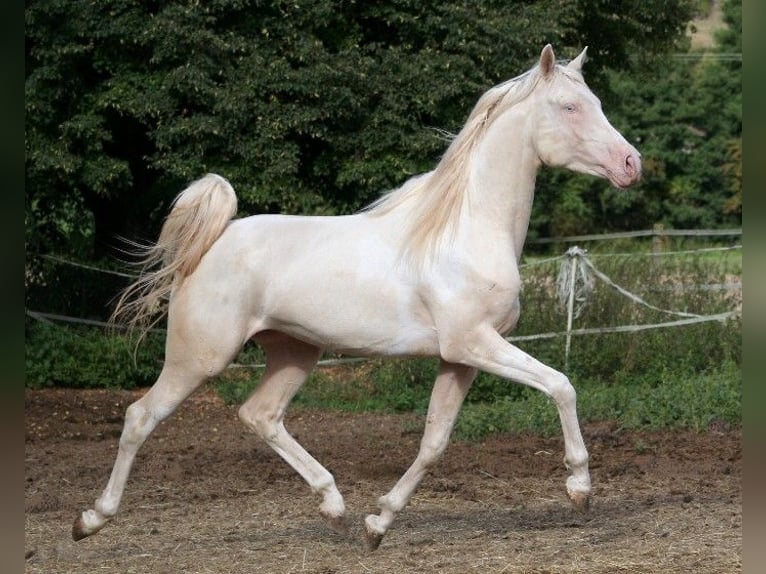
(485, 349)
(452, 384)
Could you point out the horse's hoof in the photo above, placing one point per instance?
(372, 540)
(372, 536)
(339, 524)
(580, 501)
(578, 491)
(79, 531)
(87, 524)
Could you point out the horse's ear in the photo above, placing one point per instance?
(547, 60)
(577, 63)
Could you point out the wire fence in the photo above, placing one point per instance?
(658, 232)
(576, 278)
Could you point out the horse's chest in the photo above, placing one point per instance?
(491, 300)
(501, 305)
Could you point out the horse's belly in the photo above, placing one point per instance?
(348, 327)
(345, 309)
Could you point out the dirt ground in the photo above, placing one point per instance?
(207, 496)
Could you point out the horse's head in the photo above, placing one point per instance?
(573, 132)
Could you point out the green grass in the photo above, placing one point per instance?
(670, 400)
(673, 402)
(394, 385)
(84, 357)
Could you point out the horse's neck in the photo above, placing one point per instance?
(503, 179)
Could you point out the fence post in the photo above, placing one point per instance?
(659, 240)
(573, 254)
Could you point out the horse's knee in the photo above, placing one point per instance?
(431, 449)
(143, 416)
(134, 430)
(246, 415)
(563, 392)
(264, 422)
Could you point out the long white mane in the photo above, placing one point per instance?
(434, 199)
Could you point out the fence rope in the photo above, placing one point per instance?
(88, 267)
(322, 363)
(721, 317)
(627, 328)
(574, 285)
(525, 264)
(635, 298)
(642, 233)
(652, 254)
(668, 253)
(51, 317)
(541, 261)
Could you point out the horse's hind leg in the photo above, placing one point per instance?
(141, 418)
(189, 361)
(449, 391)
(288, 364)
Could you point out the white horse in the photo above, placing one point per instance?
(431, 269)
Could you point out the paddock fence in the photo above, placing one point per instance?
(577, 294)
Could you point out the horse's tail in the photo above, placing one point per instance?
(198, 217)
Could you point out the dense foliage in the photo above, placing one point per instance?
(305, 106)
(684, 113)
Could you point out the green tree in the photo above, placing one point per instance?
(684, 113)
(689, 123)
(305, 106)
(730, 69)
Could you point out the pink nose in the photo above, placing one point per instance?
(633, 165)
